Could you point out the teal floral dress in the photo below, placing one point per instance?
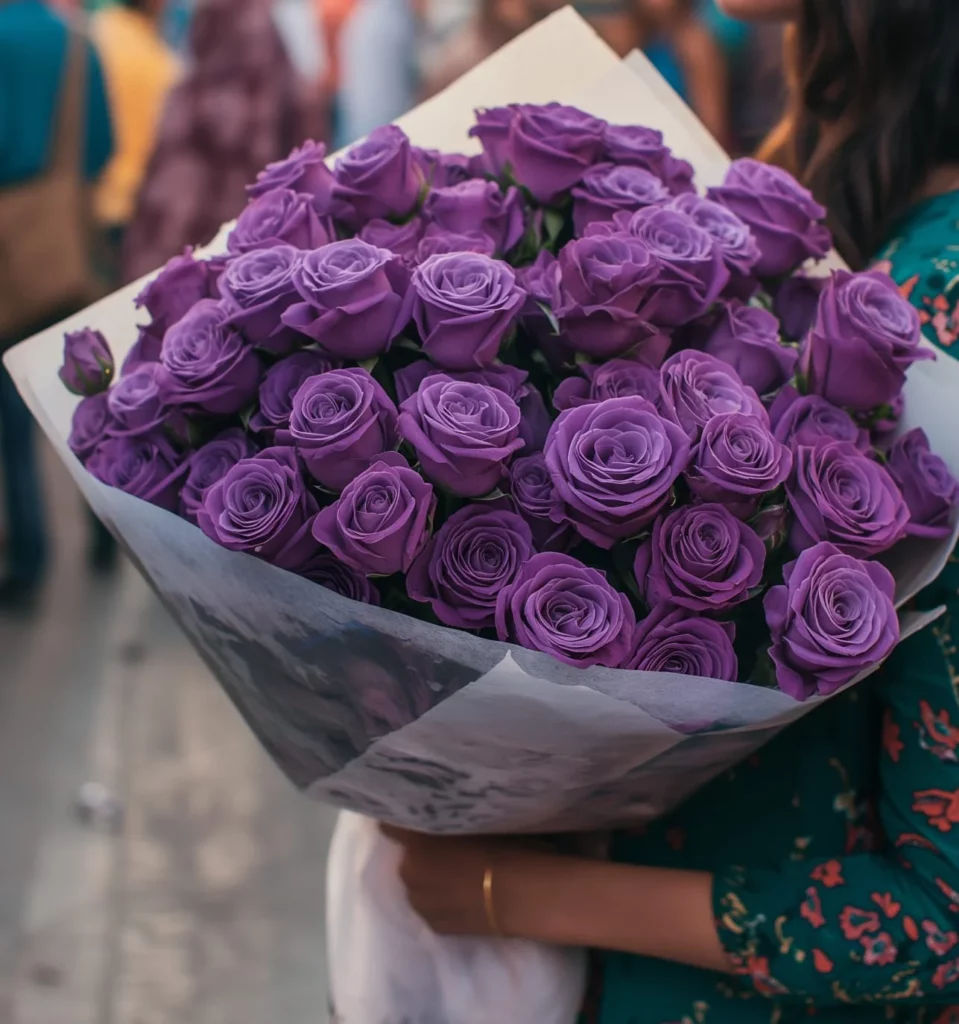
(835, 849)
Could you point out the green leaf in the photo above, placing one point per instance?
(550, 316)
(553, 223)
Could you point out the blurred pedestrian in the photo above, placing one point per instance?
(236, 109)
(679, 38)
(334, 15)
(55, 135)
(492, 24)
(140, 70)
(377, 54)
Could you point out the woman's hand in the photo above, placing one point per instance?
(444, 878)
(544, 896)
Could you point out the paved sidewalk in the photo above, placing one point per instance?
(207, 908)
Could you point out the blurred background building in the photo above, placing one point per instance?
(204, 902)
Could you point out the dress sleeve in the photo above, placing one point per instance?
(870, 927)
(99, 142)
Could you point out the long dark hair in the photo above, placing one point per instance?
(875, 109)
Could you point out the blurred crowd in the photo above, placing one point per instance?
(183, 101)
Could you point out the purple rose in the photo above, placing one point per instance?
(560, 607)
(508, 379)
(672, 640)
(538, 502)
(692, 274)
(833, 618)
(378, 178)
(401, 239)
(303, 171)
(352, 298)
(381, 521)
(805, 420)
(258, 289)
(551, 147)
(929, 489)
(147, 467)
(736, 244)
(541, 281)
(511, 380)
(609, 188)
(608, 294)
(492, 129)
(146, 349)
(782, 215)
(209, 367)
(643, 147)
(176, 290)
(263, 507)
(840, 495)
(614, 465)
(797, 302)
(88, 364)
(865, 337)
(341, 421)
(697, 386)
(737, 462)
(280, 217)
(209, 464)
(747, 338)
(883, 424)
(700, 557)
(477, 553)
(91, 422)
(278, 386)
(137, 402)
(437, 242)
(464, 433)
(618, 378)
(327, 570)
(464, 305)
(443, 169)
(479, 205)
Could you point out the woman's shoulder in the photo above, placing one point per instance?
(923, 259)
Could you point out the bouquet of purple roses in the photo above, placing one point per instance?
(520, 460)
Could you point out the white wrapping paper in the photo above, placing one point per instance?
(424, 726)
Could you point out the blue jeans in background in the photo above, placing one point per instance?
(25, 517)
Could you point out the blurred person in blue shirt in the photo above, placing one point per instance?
(33, 50)
(378, 72)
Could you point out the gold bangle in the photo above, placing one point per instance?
(488, 903)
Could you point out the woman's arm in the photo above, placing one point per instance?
(864, 927)
(563, 901)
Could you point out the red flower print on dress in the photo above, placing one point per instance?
(821, 962)
(886, 903)
(950, 1015)
(880, 949)
(811, 908)
(910, 927)
(937, 940)
(937, 734)
(855, 922)
(940, 806)
(829, 873)
(946, 974)
(891, 742)
(912, 839)
(945, 322)
(950, 893)
(757, 967)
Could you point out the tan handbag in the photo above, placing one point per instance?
(45, 263)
